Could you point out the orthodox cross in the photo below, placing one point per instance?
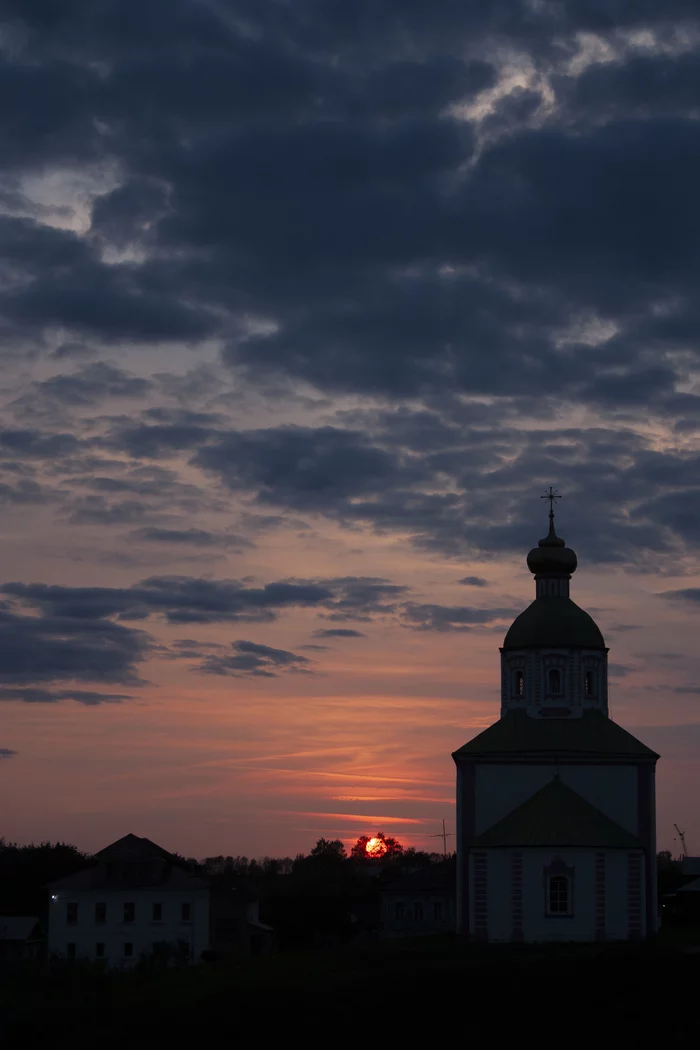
(444, 835)
(552, 495)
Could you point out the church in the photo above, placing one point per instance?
(556, 827)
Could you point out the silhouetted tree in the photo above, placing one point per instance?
(392, 851)
(329, 849)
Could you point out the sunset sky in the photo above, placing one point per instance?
(302, 306)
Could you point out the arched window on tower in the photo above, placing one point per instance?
(554, 681)
(519, 683)
(589, 683)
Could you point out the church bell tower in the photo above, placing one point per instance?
(555, 801)
(554, 661)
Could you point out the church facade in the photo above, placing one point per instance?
(556, 826)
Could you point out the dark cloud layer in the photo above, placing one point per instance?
(59, 646)
(187, 599)
(429, 617)
(325, 195)
(251, 660)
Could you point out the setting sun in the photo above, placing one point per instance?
(376, 847)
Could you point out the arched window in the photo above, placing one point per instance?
(519, 683)
(554, 682)
(589, 683)
(559, 895)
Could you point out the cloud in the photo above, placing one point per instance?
(59, 647)
(429, 617)
(188, 599)
(473, 581)
(33, 695)
(191, 537)
(338, 632)
(685, 594)
(94, 383)
(6, 752)
(250, 660)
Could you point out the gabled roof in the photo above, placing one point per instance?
(131, 847)
(132, 862)
(556, 815)
(20, 928)
(592, 734)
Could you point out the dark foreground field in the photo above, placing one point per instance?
(407, 991)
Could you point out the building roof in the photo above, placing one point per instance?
(556, 815)
(132, 862)
(133, 847)
(690, 887)
(555, 622)
(19, 927)
(592, 734)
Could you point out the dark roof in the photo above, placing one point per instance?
(437, 878)
(557, 816)
(592, 734)
(132, 862)
(556, 622)
(132, 847)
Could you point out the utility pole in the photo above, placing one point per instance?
(444, 835)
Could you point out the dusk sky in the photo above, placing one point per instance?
(302, 306)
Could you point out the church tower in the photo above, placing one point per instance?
(555, 801)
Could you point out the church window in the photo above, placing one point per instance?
(559, 895)
(554, 680)
(437, 911)
(399, 910)
(589, 683)
(418, 911)
(519, 683)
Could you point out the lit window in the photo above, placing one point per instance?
(128, 950)
(157, 912)
(589, 683)
(418, 911)
(100, 912)
(129, 912)
(186, 912)
(559, 895)
(519, 683)
(555, 680)
(100, 951)
(71, 912)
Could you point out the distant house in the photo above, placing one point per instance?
(235, 925)
(421, 903)
(21, 939)
(139, 900)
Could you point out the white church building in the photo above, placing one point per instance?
(556, 827)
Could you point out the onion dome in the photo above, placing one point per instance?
(551, 556)
(553, 620)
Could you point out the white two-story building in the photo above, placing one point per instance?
(135, 900)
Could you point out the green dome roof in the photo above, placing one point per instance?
(555, 622)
